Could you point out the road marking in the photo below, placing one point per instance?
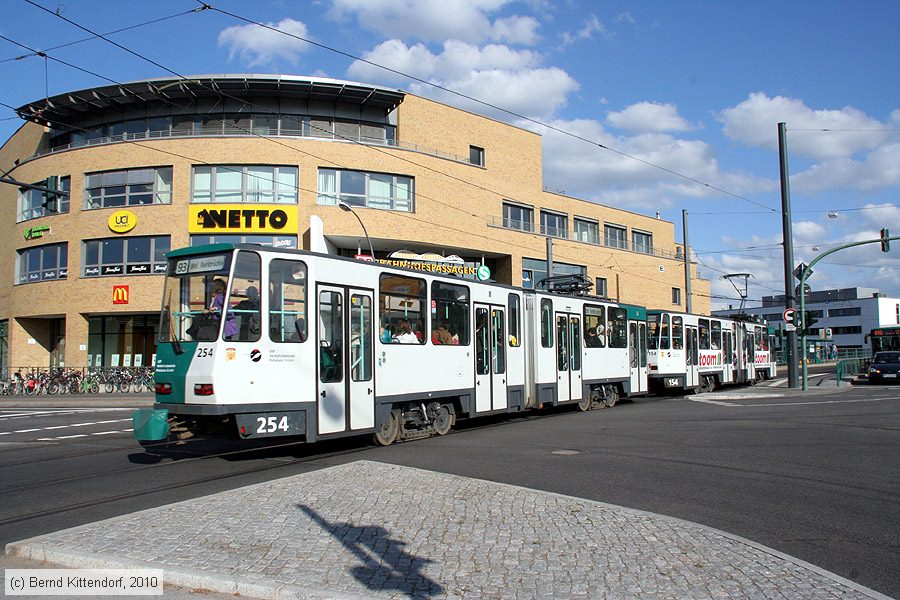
(821, 402)
(712, 402)
(81, 435)
(52, 427)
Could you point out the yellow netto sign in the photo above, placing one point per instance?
(429, 267)
(122, 221)
(243, 218)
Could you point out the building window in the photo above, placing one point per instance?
(554, 224)
(853, 311)
(614, 236)
(587, 231)
(4, 348)
(536, 270)
(642, 242)
(272, 241)
(476, 155)
(125, 256)
(34, 204)
(236, 183)
(133, 187)
(676, 296)
(600, 288)
(516, 216)
(851, 330)
(373, 190)
(43, 263)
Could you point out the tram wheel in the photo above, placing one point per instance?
(387, 433)
(585, 404)
(443, 420)
(611, 396)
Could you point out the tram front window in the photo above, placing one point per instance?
(194, 298)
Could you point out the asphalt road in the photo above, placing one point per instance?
(815, 476)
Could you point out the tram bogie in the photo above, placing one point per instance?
(258, 343)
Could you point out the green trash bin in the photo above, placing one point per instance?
(150, 424)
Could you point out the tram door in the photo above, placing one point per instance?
(637, 353)
(568, 357)
(344, 337)
(692, 355)
(490, 358)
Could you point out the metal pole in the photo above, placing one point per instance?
(549, 256)
(788, 243)
(688, 304)
(347, 208)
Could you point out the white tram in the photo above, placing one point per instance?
(317, 346)
(695, 353)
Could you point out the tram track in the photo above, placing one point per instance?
(108, 499)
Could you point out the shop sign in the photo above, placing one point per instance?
(241, 218)
(33, 233)
(122, 221)
(120, 294)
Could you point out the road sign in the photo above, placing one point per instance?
(788, 315)
(798, 272)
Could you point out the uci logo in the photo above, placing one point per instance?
(122, 221)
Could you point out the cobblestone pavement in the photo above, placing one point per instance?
(373, 530)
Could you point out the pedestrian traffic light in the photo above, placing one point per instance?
(885, 240)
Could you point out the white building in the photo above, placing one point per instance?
(849, 313)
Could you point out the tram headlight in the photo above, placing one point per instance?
(203, 389)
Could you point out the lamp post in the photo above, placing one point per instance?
(347, 208)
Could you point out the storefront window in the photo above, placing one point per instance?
(122, 341)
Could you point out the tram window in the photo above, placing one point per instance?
(703, 327)
(449, 314)
(331, 337)
(546, 323)
(515, 335)
(482, 343)
(401, 300)
(562, 337)
(360, 338)
(498, 350)
(716, 339)
(664, 333)
(594, 326)
(287, 301)
(677, 333)
(618, 328)
(575, 358)
(243, 302)
(760, 339)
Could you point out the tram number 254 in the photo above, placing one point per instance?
(270, 424)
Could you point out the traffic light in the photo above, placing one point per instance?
(885, 240)
(50, 198)
(808, 321)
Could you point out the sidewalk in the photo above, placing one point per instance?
(113, 400)
(373, 530)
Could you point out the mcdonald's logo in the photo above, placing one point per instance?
(120, 294)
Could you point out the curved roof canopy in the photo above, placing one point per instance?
(135, 95)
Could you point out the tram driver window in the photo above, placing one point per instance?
(287, 301)
(243, 302)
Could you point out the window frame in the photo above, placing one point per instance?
(641, 241)
(509, 208)
(476, 156)
(367, 199)
(156, 265)
(589, 232)
(278, 192)
(555, 231)
(30, 203)
(157, 193)
(25, 275)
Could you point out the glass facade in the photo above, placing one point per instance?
(122, 341)
(238, 184)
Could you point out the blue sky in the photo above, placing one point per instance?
(694, 87)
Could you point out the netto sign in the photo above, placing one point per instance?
(238, 218)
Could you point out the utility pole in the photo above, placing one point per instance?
(788, 242)
(688, 305)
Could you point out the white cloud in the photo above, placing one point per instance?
(754, 121)
(511, 75)
(260, 46)
(878, 171)
(516, 30)
(436, 20)
(649, 117)
(592, 25)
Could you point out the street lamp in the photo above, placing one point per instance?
(347, 208)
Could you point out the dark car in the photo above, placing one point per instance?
(885, 367)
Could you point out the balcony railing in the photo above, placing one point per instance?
(584, 238)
